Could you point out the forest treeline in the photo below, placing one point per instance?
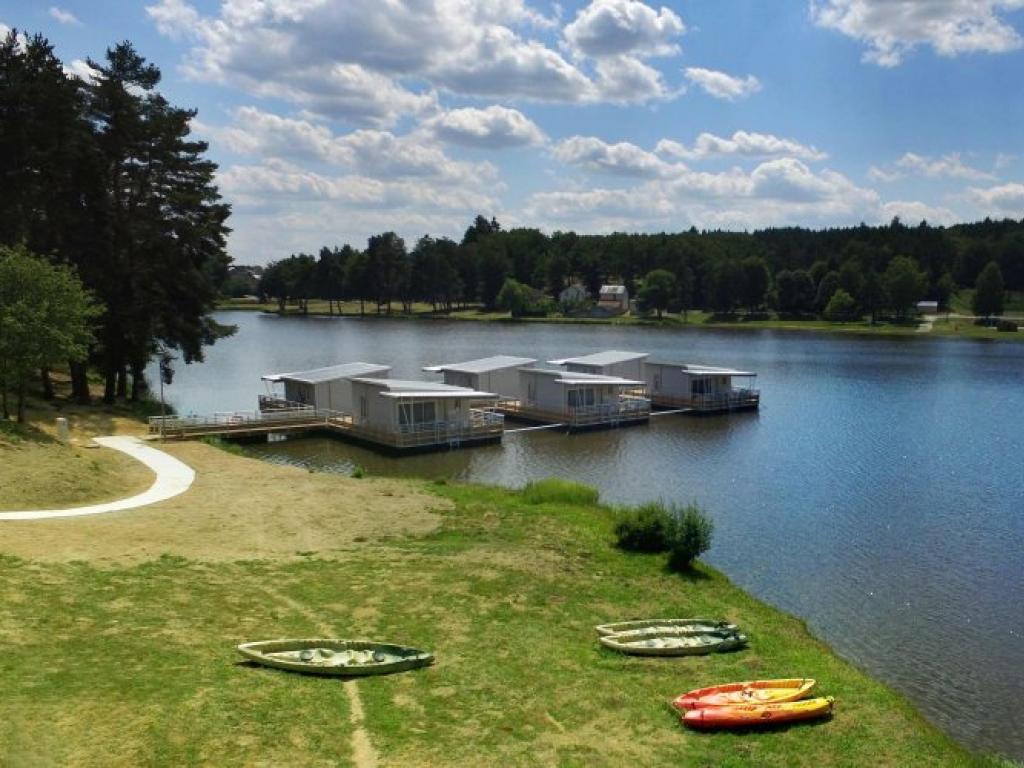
(858, 271)
(102, 178)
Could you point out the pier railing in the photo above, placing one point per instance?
(482, 425)
(237, 421)
(629, 408)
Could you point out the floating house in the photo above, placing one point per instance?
(613, 298)
(327, 389)
(701, 388)
(612, 362)
(407, 414)
(578, 400)
(499, 374)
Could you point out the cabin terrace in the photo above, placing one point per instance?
(578, 400)
(701, 388)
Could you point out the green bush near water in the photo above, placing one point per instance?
(556, 491)
(683, 532)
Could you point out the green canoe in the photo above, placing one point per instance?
(693, 625)
(673, 642)
(347, 658)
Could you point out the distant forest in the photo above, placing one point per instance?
(839, 273)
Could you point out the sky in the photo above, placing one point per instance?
(332, 120)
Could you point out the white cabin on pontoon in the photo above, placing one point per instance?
(577, 399)
(611, 362)
(700, 387)
(498, 374)
(404, 414)
(328, 389)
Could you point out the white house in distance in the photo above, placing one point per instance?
(328, 388)
(573, 294)
(499, 374)
(702, 388)
(611, 362)
(578, 400)
(613, 298)
(408, 414)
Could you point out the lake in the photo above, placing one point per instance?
(878, 493)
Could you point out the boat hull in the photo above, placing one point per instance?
(337, 658)
(674, 643)
(758, 715)
(750, 692)
(697, 625)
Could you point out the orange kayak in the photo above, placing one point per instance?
(752, 692)
(756, 715)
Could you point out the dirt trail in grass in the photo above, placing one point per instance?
(363, 753)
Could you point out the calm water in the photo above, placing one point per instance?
(878, 493)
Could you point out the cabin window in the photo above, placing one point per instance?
(657, 382)
(700, 387)
(531, 391)
(581, 397)
(416, 413)
(364, 408)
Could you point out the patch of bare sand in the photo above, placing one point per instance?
(237, 509)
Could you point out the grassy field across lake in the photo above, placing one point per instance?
(119, 631)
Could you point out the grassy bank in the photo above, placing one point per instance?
(696, 319)
(119, 631)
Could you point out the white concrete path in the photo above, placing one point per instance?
(173, 477)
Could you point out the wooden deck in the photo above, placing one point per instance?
(484, 427)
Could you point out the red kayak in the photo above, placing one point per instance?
(752, 692)
(756, 715)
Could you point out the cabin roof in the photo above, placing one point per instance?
(330, 373)
(415, 388)
(700, 370)
(483, 364)
(573, 378)
(614, 289)
(608, 357)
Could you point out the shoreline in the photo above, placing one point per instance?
(476, 540)
(940, 327)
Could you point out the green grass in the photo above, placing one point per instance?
(112, 665)
(961, 302)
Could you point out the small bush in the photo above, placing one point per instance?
(693, 537)
(557, 491)
(1006, 325)
(650, 527)
(358, 472)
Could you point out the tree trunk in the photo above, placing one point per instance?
(109, 384)
(3, 400)
(80, 383)
(138, 382)
(122, 382)
(21, 401)
(44, 376)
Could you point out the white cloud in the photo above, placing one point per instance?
(914, 212)
(616, 27)
(623, 158)
(1004, 160)
(64, 17)
(175, 19)
(1005, 199)
(494, 127)
(721, 85)
(81, 70)
(741, 143)
(627, 80)
(893, 28)
(947, 166)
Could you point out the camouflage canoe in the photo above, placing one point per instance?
(693, 625)
(347, 658)
(673, 642)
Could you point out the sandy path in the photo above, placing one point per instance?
(173, 477)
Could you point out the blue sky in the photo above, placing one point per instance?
(333, 120)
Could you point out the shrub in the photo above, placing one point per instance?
(1006, 325)
(558, 491)
(358, 472)
(650, 527)
(692, 537)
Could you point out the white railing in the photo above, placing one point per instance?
(228, 421)
(625, 409)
